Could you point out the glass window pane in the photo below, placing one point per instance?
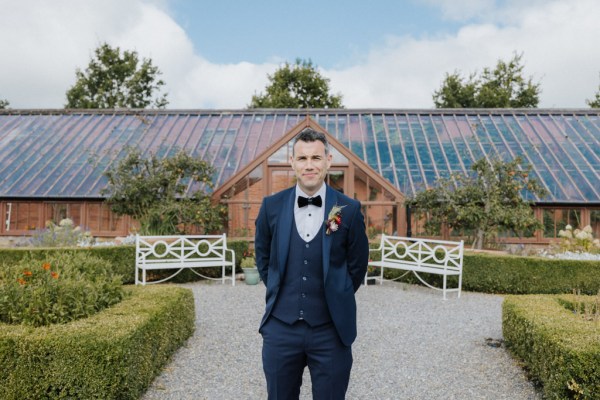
(555, 220)
(335, 179)
(595, 222)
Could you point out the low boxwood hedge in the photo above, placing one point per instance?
(482, 272)
(114, 354)
(559, 348)
(507, 274)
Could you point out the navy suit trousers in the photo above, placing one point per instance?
(288, 349)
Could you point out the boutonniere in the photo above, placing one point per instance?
(334, 219)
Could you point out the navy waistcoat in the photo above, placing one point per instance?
(302, 294)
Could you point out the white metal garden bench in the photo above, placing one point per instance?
(180, 252)
(416, 255)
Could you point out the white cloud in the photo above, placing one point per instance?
(557, 40)
(44, 42)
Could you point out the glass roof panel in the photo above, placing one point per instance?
(65, 154)
(423, 158)
(342, 133)
(12, 138)
(88, 162)
(369, 141)
(584, 130)
(69, 159)
(385, 159)
(577, 145)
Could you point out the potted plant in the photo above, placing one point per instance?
(248, 264)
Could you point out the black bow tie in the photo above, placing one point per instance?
(304, 201)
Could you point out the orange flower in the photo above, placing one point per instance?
(54, 274)
(27, 273)
(21, 281)
(46, 266)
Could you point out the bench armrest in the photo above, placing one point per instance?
(232, 258)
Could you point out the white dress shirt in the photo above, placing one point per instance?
(311, 218)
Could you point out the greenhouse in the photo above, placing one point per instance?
(52, 161)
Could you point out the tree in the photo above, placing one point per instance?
(115, 80)
(485, 202)
(595, 102)
(4, 104)
(297, 86)
(504, 87)
(151, 190)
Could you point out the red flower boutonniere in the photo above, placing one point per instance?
(334, 219)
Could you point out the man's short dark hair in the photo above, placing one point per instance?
(310, 135)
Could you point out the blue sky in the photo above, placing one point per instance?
(376, 54)
(334, 34)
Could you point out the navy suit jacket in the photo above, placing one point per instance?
(345, 254)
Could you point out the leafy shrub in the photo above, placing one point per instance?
(64, 234)
(151, 189)
(119, 259)
(65, 287)
(240, 248)
(581, 240)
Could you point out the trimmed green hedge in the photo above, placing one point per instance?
(528, 275)
(482, 272)
(114, 354)
(507, 274)
(122, 259)
(560, 349)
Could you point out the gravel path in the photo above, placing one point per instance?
(411, 345)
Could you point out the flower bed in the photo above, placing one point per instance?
(63, 287)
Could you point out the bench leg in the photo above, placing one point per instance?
(444, 286)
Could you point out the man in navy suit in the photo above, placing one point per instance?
(312, 253)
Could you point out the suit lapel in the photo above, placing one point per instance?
(330, 201)
(284, 229)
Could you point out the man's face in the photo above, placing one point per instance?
(310, 163)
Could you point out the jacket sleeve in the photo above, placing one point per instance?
(358, 248)
(262, 242)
